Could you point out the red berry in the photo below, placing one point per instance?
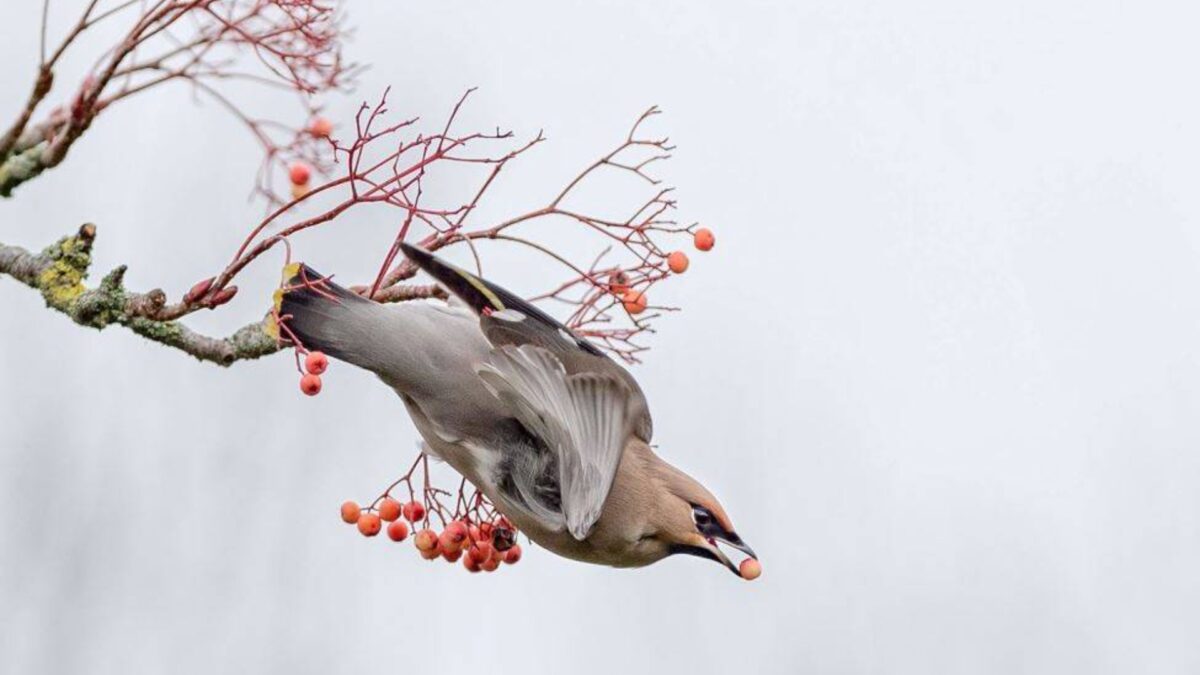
(369, 524)
(398, 531)
(414, 511)
(634, 301)
(481, 550)
(750, 569)
(299, 173)
(389, 509)
(350, 512)
(489, 565)
(704, 239)
(678, 262)
(448, 543)
(452, 556)
(513, 555)
(426, 540)
(316, 363)
(457, 531)
(320, 127)
(471, 564)
(310, 384)
(431, 554)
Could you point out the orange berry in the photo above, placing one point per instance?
(320, 127)
(389, 509)
(448, 543)
(459, 528)
(452, 556)
(471, 564)
(704, 239)
(426, 540)
(398, 531)
(481, 550)
(678, 262)
(414, 511)
(310, 384)
(634, 301)
(618, 282)
(299, 173)
(513, 555)
(489, 565)
(456, 532)
(369, 524)
(350, 513)
(432, 554)
(316, 363)
(750, 569)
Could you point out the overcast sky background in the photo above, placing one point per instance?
(941, 367)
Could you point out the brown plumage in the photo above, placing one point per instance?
(649, 515)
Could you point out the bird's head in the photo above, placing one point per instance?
(689, 519)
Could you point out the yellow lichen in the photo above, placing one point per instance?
(61, 284)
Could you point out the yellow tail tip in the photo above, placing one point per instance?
(271, 327)
(289, 272)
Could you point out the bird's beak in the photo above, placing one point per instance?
(733, 542)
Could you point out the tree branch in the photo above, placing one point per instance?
(41, 87)
(58, 273)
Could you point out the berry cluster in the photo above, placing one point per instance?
(481, 544)
(315, 364)
(311, 363)
(635, 301)
(471, 529)
(299, 172)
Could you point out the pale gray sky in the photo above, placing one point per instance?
(942, 367)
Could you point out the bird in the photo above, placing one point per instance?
(551, 429)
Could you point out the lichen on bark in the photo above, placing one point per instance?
(59, 272)
(61, 282)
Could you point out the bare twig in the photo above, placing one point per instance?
(295, 43)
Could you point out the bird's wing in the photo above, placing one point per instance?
(584, 418)
(507, 319)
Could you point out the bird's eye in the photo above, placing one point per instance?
(701, 516)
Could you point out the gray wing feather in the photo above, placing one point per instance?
(584, 418)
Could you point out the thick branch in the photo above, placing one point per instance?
(58, 273)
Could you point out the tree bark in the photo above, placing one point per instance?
(58, 273)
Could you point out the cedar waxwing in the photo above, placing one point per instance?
(553, 431)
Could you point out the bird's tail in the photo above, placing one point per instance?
(324, 316)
